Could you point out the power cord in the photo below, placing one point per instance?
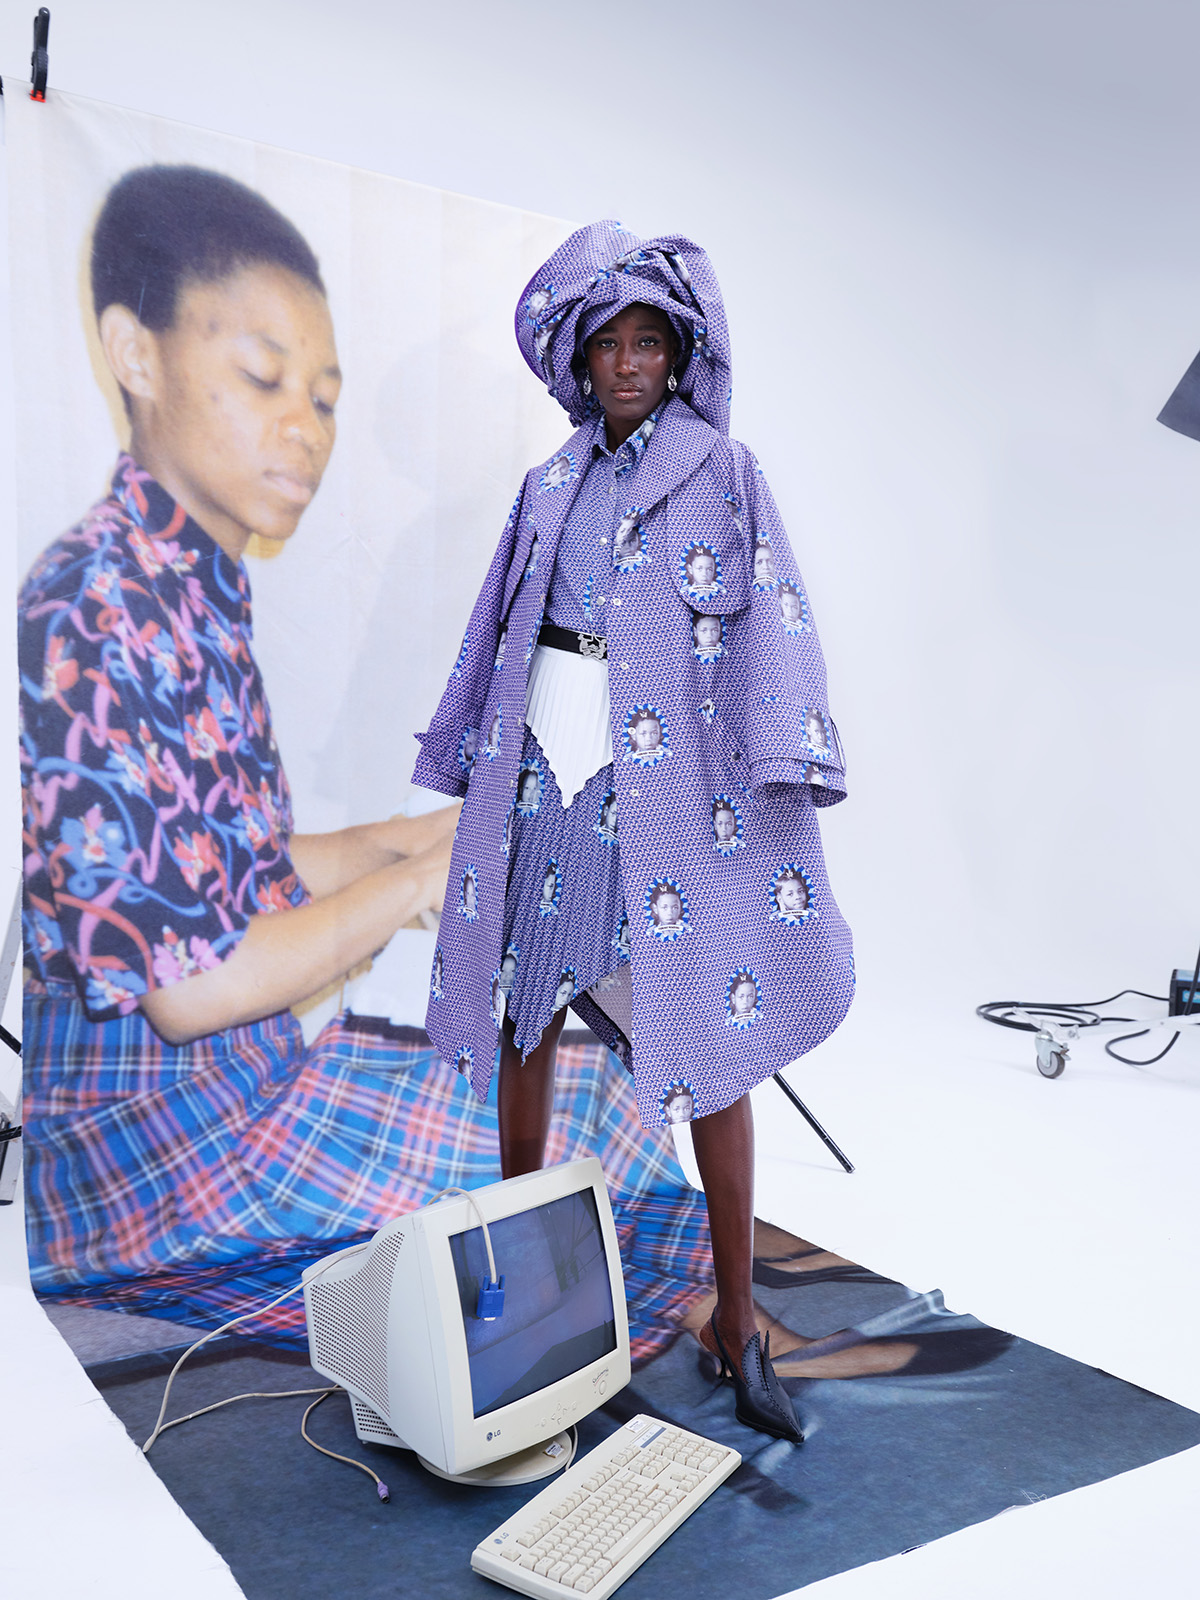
(491, 1304)
(1085, 1014)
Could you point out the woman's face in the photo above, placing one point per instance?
(647, 734)
(743, 998)
(566, 989)
(791, 897)
(233, 404)
(627, 537)
(629, 361)
(668, 908)
(789, 604)
(704, 569)
(680, 1108)
(725, 824)
(708, 633)
(764, 564)
(529, 788)
(508, 971)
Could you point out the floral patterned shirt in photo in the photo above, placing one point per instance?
(157, 813)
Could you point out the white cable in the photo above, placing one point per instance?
(254, 1311)
(487, 1238)
(251, 1394)
(381, 1488)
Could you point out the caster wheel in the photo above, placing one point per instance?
(1051, 1063)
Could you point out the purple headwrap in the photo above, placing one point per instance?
(594, 274)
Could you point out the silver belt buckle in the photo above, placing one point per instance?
(594, 646)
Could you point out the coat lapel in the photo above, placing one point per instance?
(681, 442)
(544, 511)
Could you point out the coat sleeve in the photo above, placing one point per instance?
(790, 737)
(441, 765)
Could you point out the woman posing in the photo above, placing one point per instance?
(642, 650)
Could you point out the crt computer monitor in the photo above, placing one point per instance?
(395, 1322)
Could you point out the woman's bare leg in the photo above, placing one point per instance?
(724, 1147)
(526, 1098)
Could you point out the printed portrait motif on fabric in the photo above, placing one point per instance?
(791, 895)
(464, 1061)
(538, 301)
(462, 654)
(508, 967)
(707, 711)
(764, 566)
(533, 635)
(631, 547)
(728, 829)
(793, 609)
(737, 512)
(605, 825)
(531, 563)
(647, 739)
(631, 543)
(700, 571)
(708, 637)
(499, 662)
(492, 748)
(506, 837)
(468, 748)
(678, 1102)
(435, 977)
(560, 471)
(499, 997)
(810, 772)
(623, 938)
(468, 895)
(531, 785)
(817, 732)
(551, 901)
(743, 998)
(565, 992)
(666, 909)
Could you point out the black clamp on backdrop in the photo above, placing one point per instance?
(39, 61)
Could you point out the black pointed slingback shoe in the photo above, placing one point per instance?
(760, 1402)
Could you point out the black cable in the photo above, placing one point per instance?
(1084, 1014)
(1187, 1011)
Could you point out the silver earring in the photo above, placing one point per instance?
(672, 382)
(587, 383)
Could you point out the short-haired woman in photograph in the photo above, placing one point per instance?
(173, 915)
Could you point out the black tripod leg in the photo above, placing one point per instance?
(811, 1120)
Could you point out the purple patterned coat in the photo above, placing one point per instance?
(722, 740)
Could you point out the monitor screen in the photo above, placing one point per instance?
(558, 1308)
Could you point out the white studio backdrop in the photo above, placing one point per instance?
(961, 252)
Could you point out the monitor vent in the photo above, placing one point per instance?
(349, 1323)
(370, 1426)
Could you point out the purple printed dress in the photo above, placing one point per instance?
(723, 746)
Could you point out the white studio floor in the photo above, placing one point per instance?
(1064, 1211)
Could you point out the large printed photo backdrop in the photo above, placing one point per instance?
(358, 619)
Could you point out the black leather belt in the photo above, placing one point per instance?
(592, 645)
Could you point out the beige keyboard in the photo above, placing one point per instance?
(593, 1527)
